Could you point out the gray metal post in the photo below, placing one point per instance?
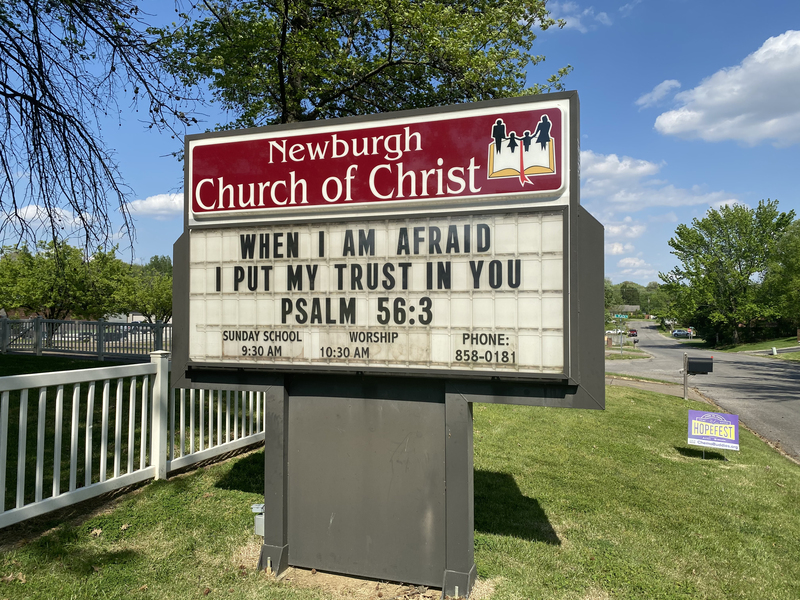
(101, 341)
(159, 335)
(37, 328)
(4, 334)
(460, 572)
(685, 376)
(158, 453)
(275, 550)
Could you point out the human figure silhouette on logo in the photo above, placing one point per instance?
(527, 138)
(499, 134)
(543, 131)
(512, 142)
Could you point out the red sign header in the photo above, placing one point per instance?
(515, 150)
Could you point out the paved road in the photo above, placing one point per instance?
(764, 392)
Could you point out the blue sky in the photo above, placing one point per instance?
(685, 105)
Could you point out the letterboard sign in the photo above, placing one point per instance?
(435, 241)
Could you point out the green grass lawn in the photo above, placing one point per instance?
(20, 364)
(638, 378)
(569, 504)
(786, 342)
(625, 355)
(700, 343)
(629, 351)
(792, 356)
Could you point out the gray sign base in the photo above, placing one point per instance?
(459, 585)
(274, 558)
(371, 477)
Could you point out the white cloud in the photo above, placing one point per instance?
(576, 18)
(633, 268)
(631, 262)
(627, 8)
(160, 206)
(616, 248)
(38, 217)
(628, 184)
(754, 101)
(668, 217)
(603, 18)
(627, 228)
(643, 274)
(657, 94)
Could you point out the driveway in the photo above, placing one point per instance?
(764, 392)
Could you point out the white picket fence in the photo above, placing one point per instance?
(155, 432)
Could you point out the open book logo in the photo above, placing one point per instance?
(518, 156)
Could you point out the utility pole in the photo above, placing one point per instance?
(685, 376)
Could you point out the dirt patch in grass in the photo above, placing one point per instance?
(341, 586)
(356, 588)
(352, 588)
(596, 594)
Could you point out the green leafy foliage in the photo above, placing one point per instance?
(148, 290)
(613, 297)
(782, 281)
(629, 292)
(57, 281)
(723, 260)
(300, 60)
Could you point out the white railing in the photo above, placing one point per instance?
(97, 430)
(98, 339)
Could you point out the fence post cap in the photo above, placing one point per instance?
(159, 353)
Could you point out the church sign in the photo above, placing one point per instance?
(436, 241)
(372, 278)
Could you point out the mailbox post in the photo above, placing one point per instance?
(695, 366)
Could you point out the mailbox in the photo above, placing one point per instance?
(699, 366)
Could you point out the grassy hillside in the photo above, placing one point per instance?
(568, 505)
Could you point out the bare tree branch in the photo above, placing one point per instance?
(63, 66)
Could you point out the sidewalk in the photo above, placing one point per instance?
(671, 389)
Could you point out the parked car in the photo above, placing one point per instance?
(633, 333)
(114, 335)
(681, 333)
(613, 331)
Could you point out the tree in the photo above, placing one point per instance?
(298, 60)
(612, 296)
(63, 66)
(723, 258)
(655, 300)
(630, 292)
(148, 290)
(782, 281)
(56, 281)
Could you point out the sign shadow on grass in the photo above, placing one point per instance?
(246, 475)
(64, 546)
(694, 453)
(501, 508)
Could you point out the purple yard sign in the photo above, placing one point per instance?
(713, 430)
